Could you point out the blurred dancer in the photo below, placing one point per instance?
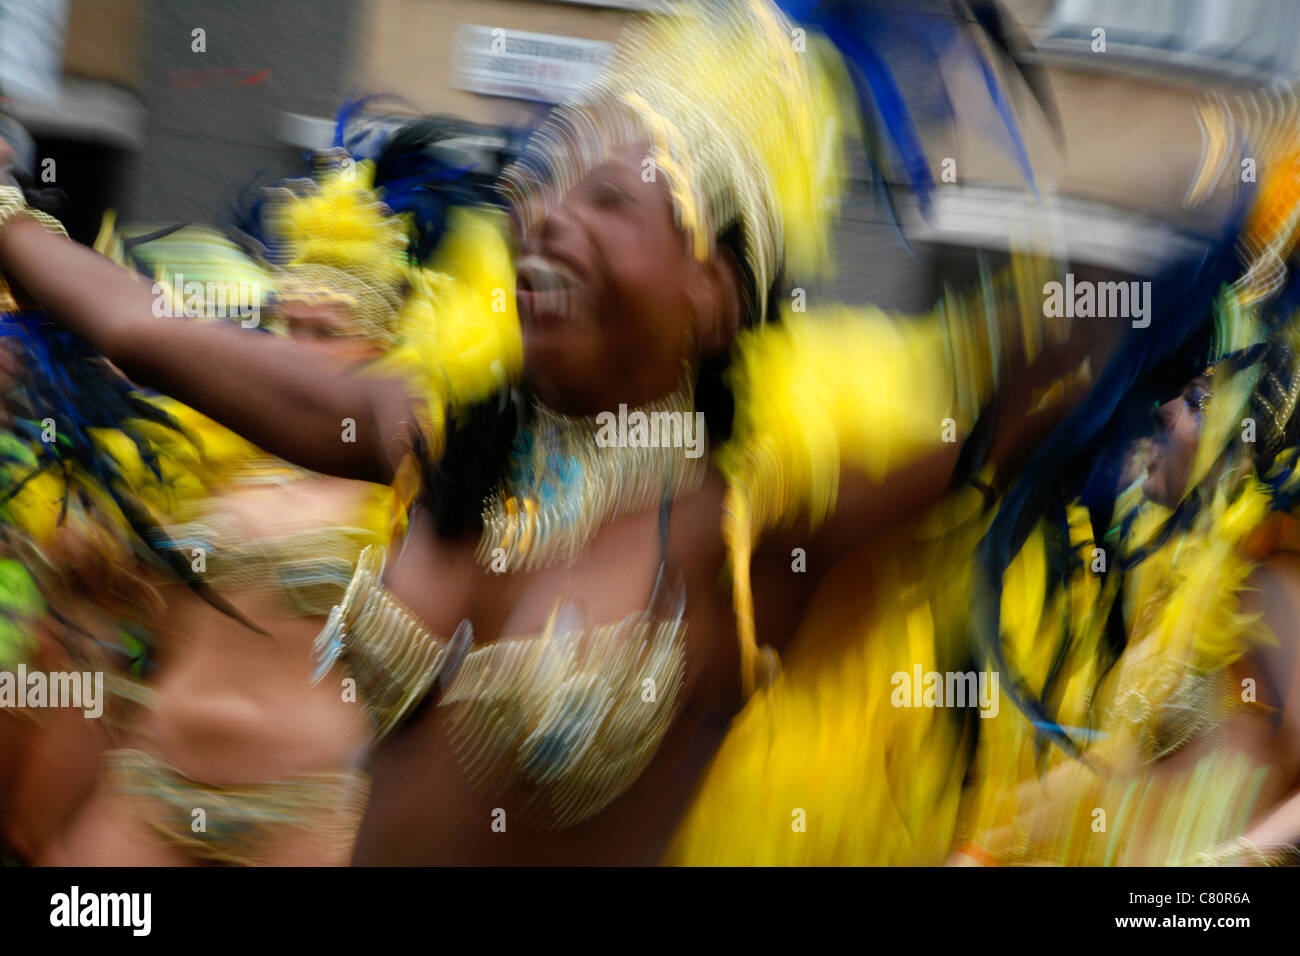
(76, 507)
(74, 572)
(552, 656)
(1162, 654)
(47, 756)
(236, 729)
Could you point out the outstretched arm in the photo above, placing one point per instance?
(866, 504)
(1274, 594)
(286, 399)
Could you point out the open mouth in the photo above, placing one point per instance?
(548, 291)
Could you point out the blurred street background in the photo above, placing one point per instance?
(166, 109)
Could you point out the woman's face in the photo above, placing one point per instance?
(611, 298)
(325, 327)
(1174, 449)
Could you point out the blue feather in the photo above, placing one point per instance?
(871, 34)
(875, 86)
(999, 97)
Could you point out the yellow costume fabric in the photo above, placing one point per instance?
(821, 767)
(1169, 695)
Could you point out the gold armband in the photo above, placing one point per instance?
(13, 204)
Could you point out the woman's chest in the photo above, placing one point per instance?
(633, 566)
(558, 685)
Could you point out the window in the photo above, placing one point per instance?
(1255, 40)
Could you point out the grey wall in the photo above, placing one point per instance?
(204, 143)
(872, 263)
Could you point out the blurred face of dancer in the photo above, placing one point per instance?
(1174, 448)
(325, 327)
(611, 297)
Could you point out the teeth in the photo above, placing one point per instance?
(557, 302)
(555, 286)
(545, 275)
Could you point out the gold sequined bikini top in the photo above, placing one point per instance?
(310, 568)
(567, 719)
(1164, 703)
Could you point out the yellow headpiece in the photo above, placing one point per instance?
(343, 245)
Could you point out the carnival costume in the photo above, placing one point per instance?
(834, 388)
(86, 456)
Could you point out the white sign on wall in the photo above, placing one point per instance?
(31, 49)
(529, 66)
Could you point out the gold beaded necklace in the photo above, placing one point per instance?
(569, 475)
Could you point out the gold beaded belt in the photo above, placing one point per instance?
(238, 825)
